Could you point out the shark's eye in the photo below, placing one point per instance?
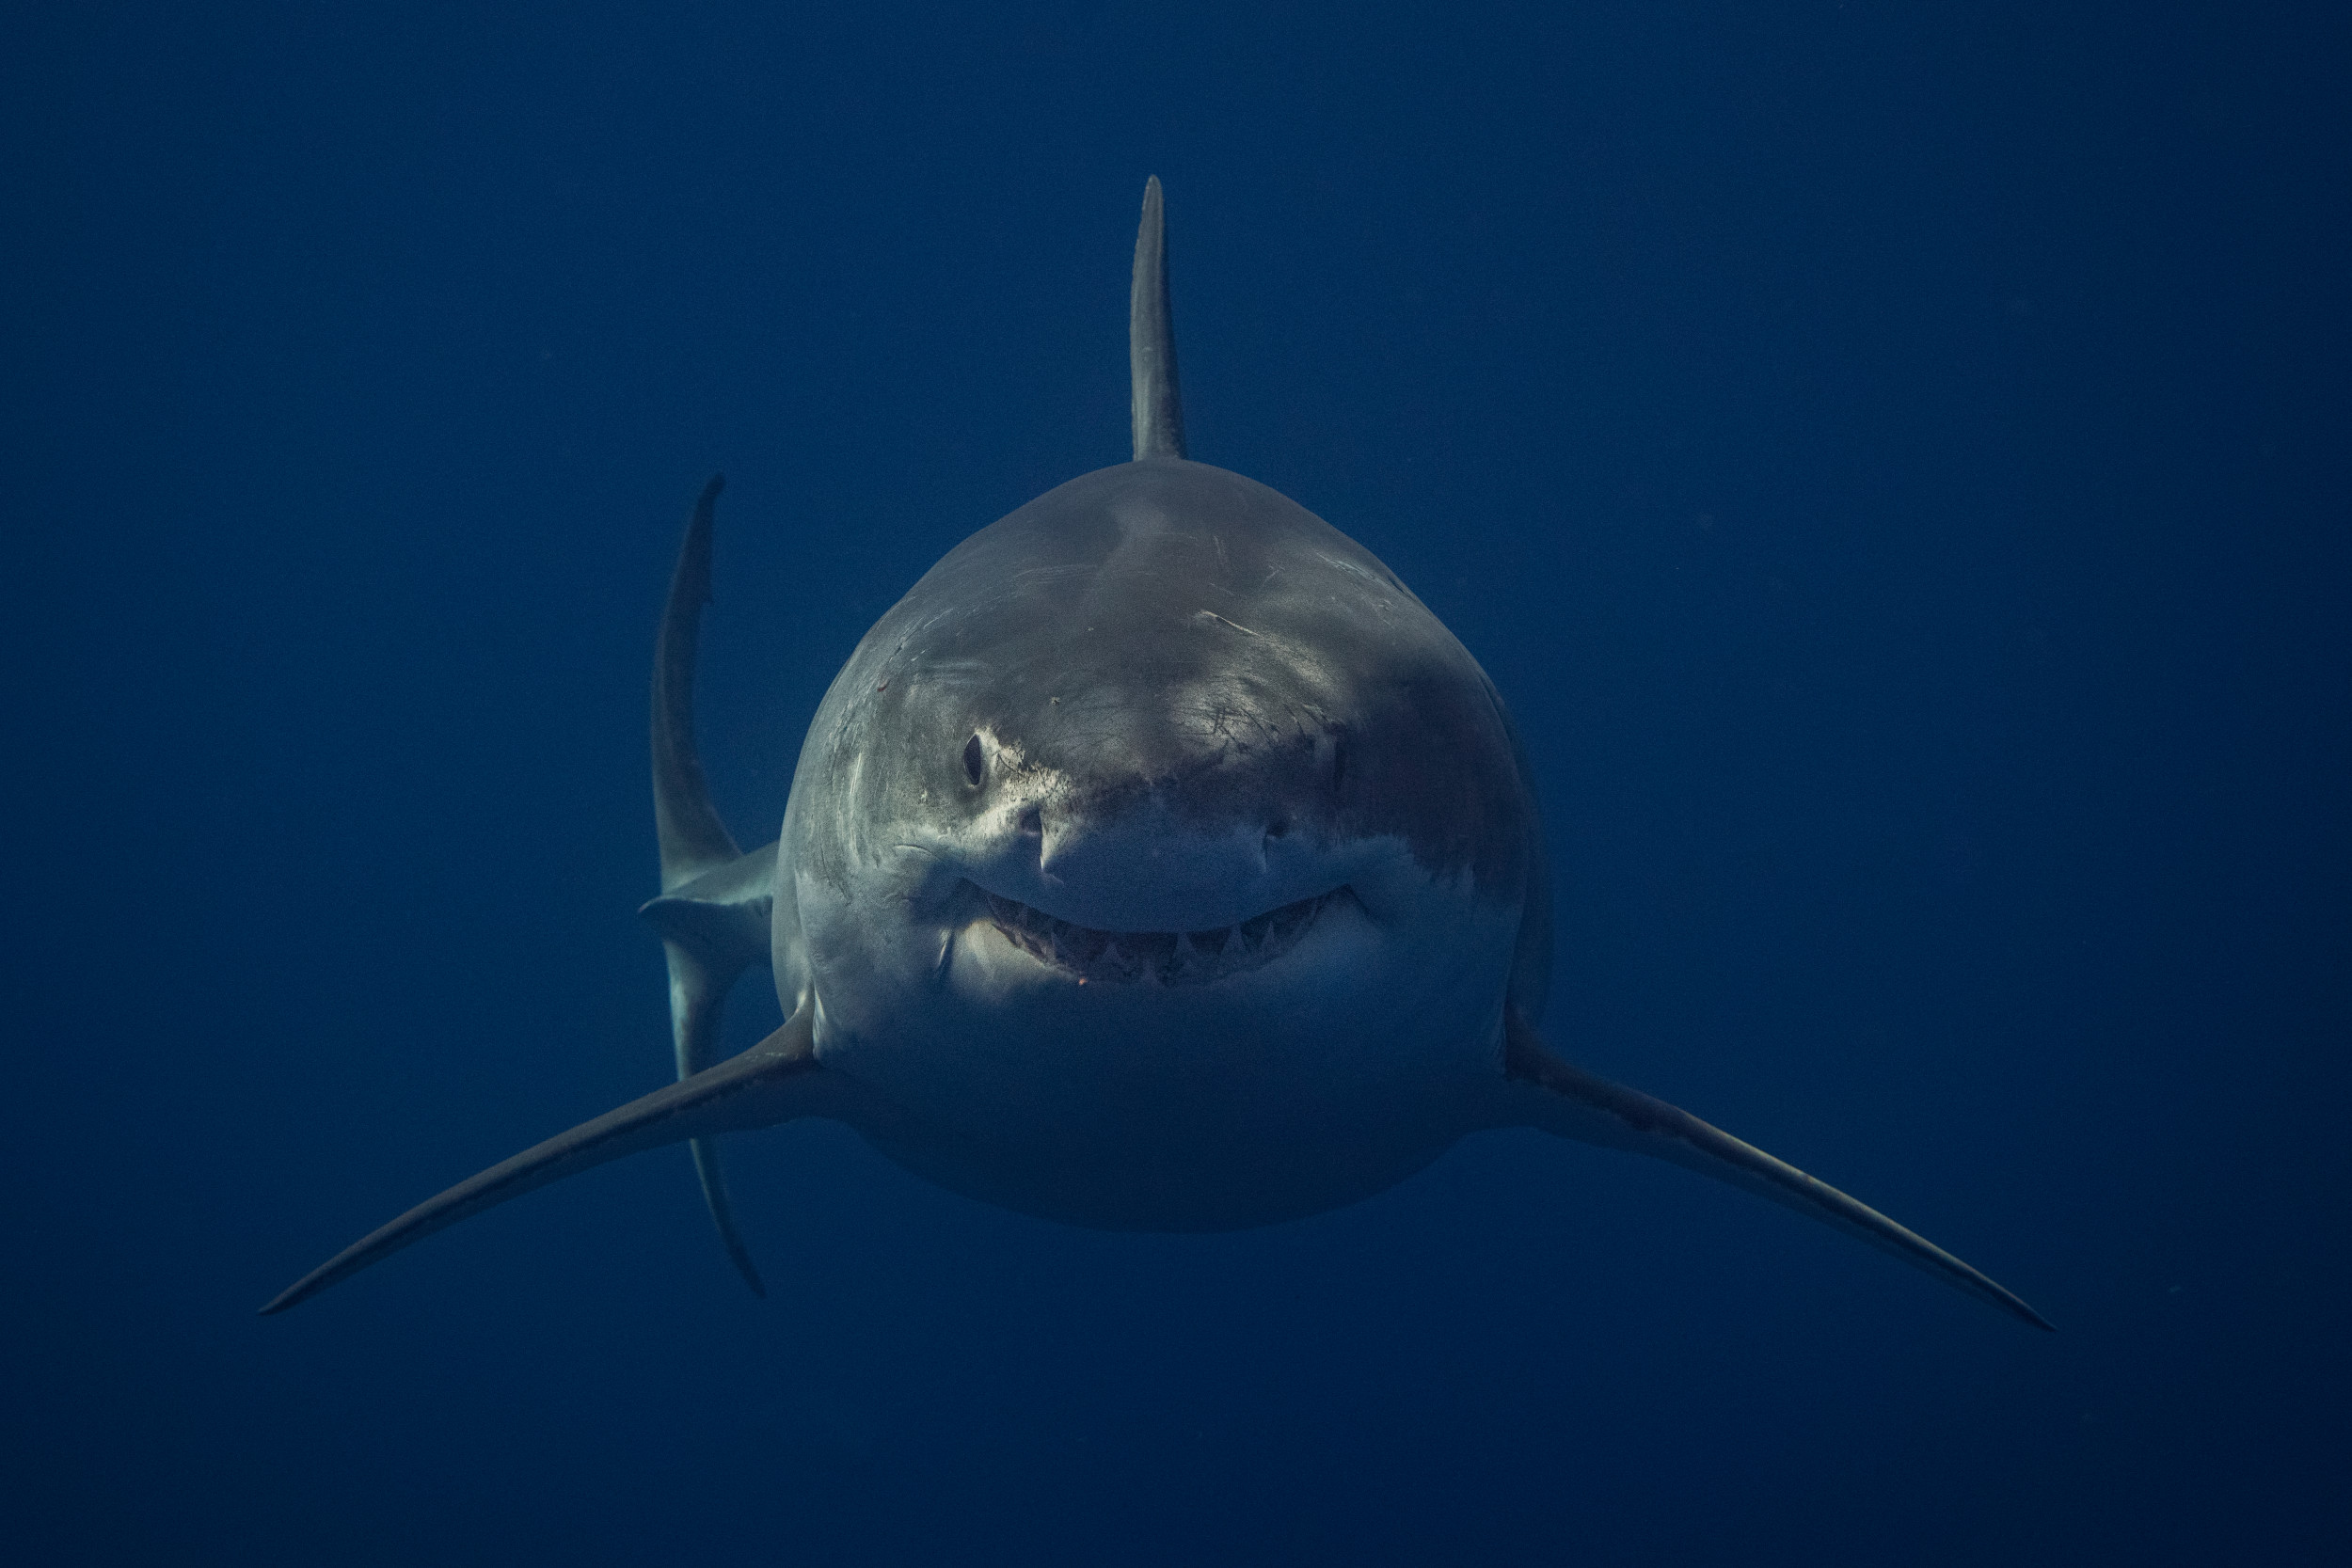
(975, 761)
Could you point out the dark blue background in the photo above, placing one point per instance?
(1891, 455)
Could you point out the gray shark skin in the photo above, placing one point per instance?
(1158, 863)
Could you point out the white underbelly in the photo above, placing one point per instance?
(1323, 1077)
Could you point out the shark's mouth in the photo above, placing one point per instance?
(1157, 957)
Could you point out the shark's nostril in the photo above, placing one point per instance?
(975, 761)
(1032, 824)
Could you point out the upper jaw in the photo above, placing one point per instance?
(1157, 881)
(1169, 958)
(1169, 909)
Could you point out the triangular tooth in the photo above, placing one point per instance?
(1184, 945)
(1233, 946)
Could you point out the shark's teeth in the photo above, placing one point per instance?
(1162, 958)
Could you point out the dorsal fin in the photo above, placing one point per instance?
(1158, 412)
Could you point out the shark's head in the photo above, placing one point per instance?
(1158, 805)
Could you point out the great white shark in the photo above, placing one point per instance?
(1159, 863)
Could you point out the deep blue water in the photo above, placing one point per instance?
(1891, 456)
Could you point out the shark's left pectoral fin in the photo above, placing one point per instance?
(777, 1080)
(1573, 1103)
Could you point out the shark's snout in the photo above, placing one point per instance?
(1141, 866)
(1143, 870)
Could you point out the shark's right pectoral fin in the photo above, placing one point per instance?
(777, 1080)
(1574, 1103)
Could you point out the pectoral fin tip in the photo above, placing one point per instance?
(775, 1081)
(1577, 1104)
